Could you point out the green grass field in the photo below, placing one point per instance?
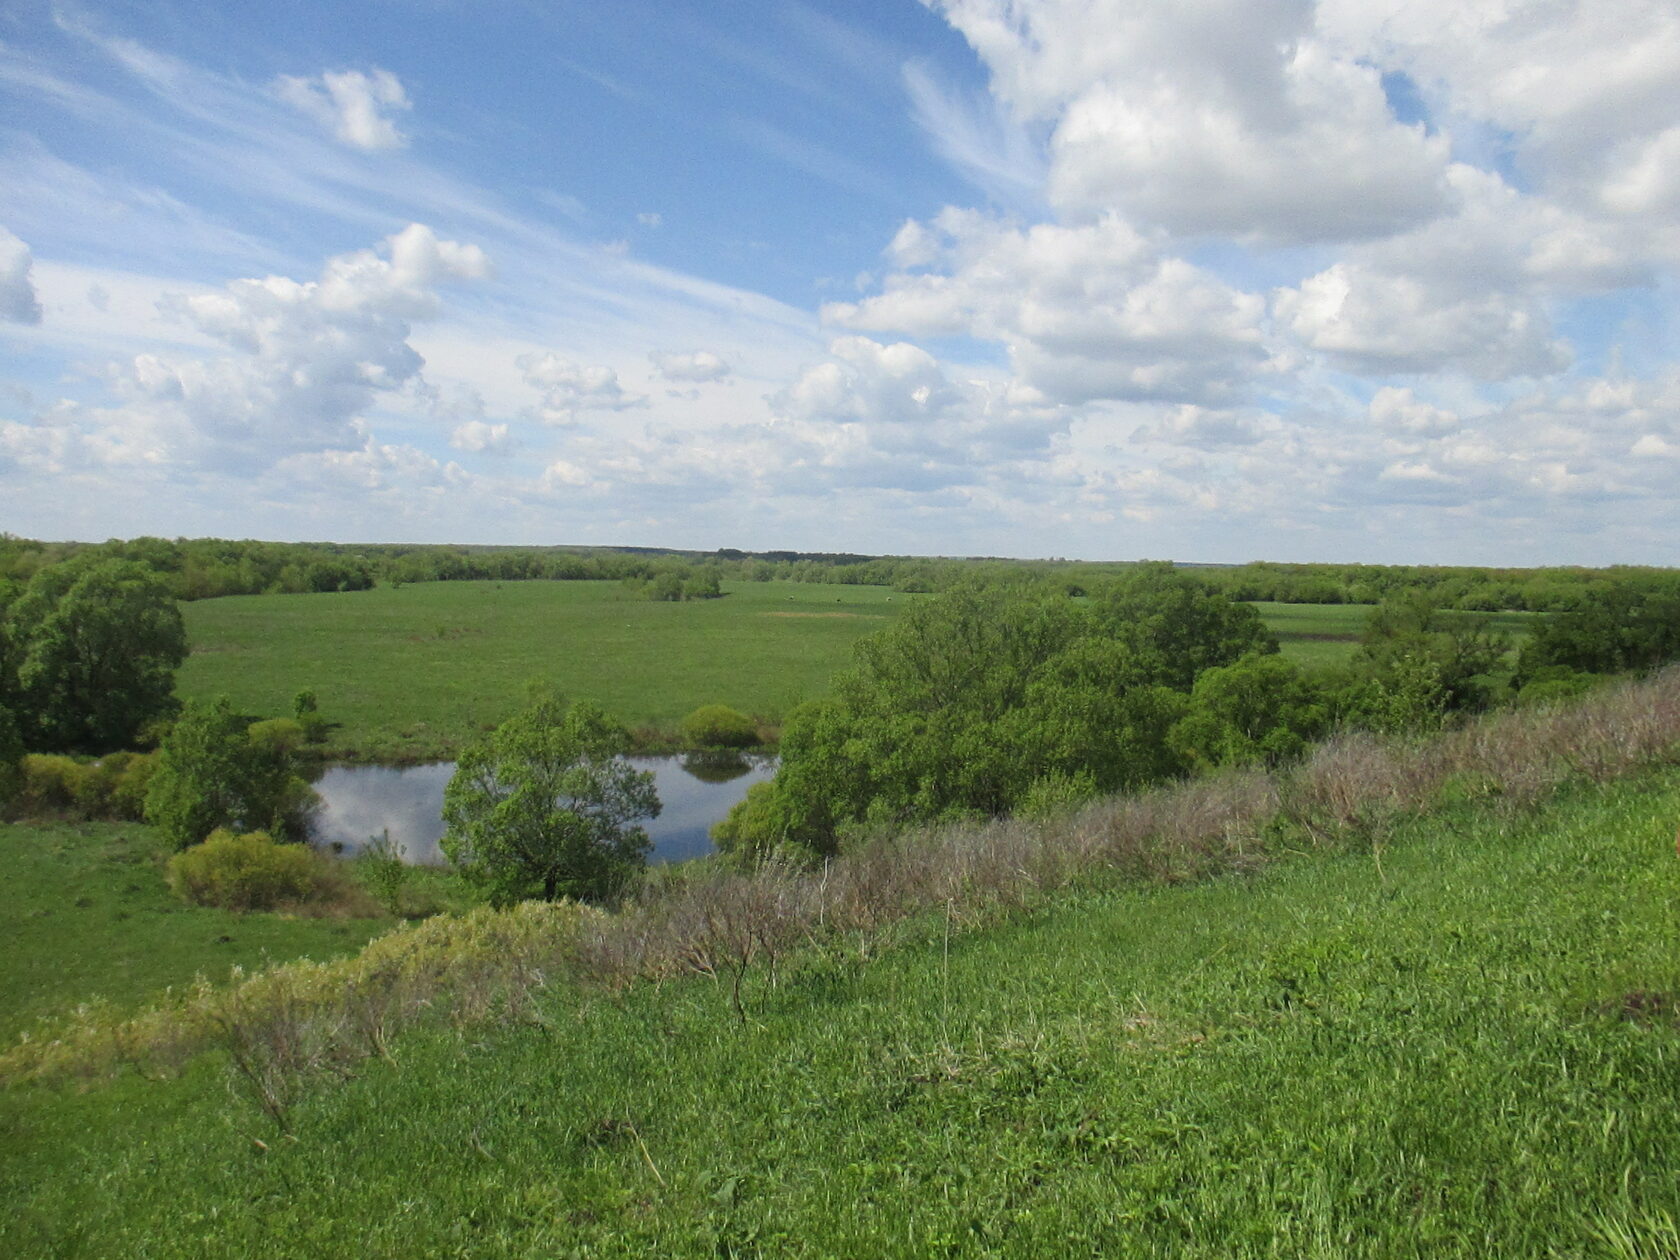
(87, 915)
(1471, 1049)
(413, 672)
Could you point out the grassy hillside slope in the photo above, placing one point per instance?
(1469, 1048)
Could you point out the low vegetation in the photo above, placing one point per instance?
(719, 726)
(89, 919)
(247, 872)
(1352, 792)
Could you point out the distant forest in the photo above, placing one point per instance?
(205, 568)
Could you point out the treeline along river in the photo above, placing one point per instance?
(406, 802)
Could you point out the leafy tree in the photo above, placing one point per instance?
(96, 644)
(969, 701)
(703, 583)
(1410, 628)
(1259, 708)
(1178, 626)
(1628, 625)
(212, 774)
(1411, 697)
(546, 806)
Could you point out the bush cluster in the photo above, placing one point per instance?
(244, 872)
(719, 726)
(112, 787)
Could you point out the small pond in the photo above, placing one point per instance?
(359, 802)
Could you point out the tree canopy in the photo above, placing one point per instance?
(212, 774)
(546, 806)
(969, 701)
(94, 644)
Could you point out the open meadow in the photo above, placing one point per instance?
(87, 916)
(1320, 636)
(411, 673)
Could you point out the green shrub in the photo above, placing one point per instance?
(93, 786)
(49, 782)
(277, 735)
(11, 756)
(248, 872)
(1055, 794)
(128, 797)
(383, 872)
(749, 831)
(719, 726)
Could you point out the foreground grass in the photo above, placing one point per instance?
(412, 673)
(1468, 1048)
(87, 916)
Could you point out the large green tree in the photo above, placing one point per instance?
(94, 644)
(212, 774)
(1257, 709)
(546, 806)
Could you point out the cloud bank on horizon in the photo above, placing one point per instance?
(1386, 280)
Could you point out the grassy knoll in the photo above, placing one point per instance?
(412, 672)
(1470, 1048)
(87, 915)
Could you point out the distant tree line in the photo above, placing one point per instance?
(203, 568)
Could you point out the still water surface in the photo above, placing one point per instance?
(358, 802)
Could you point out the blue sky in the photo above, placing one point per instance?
(1384, 280)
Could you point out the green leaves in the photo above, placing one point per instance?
(212, 774)
(970, 700)
(545, 806)
(96, 644)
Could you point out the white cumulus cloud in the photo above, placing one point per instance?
(480, 436)
(570, 389)
(1089, 311)
(309, 357)
(1222, 116)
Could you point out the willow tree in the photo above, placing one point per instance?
(546, 806)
